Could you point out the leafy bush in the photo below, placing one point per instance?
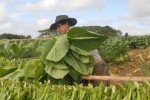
(20, 49)
(113, 48)
(138, 42)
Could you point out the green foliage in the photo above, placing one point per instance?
(46, 33)
(72, 62)
(113, 48)
(85, 40)
(14, 36)
(106, 30)
(62, 60)
(56, 70)
(34, 69)
(59, 49)
(6, 70)
(138, 42)
(15, 90)
(20, 49)
(46, 47)
(11, 68)
(18, 78)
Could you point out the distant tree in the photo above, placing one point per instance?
(13, 36)
(126, 34)
(28, 37)
(106, 30)
(46, 32)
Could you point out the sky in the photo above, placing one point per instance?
(26, 17)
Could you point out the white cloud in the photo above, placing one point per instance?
(65, 5)
(133, 29)
(17, 26)
(139, 8)
(81, 4)
(3, 12)
(5, 26)
(43, 21)
(137, 20)
(4, 23)
(144, 21)
(100, 22)
(50, 7)
(39, 6)
(26, 17)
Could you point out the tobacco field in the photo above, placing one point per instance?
(52, 69)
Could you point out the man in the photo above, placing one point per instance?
(62, 24)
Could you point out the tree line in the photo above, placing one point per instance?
(106, 30)
(13, 36)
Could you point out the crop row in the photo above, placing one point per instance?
(16, 90)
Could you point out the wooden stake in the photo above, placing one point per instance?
(116, 78)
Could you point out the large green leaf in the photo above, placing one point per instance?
(14, 47)
(72, 62)
(6, 70)
(76, 64)
(34, 69)
(83, 67)
(91, 64)
(15, 75)
(57, 70)
(67, 80)
(59, 65)
(30, 45)
(85, 40)
(74, 74)
(87, 44)
(7, 45)
(46, 47)
(59, 49)
(56, 73)
(77, 32)
(80, 51)
(82, 58)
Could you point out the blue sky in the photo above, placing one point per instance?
(26, 17)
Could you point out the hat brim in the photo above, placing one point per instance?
(73, 21)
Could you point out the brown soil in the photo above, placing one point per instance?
(132, 64)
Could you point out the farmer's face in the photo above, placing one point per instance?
(62, 28)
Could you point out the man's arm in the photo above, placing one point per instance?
(100, 68)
